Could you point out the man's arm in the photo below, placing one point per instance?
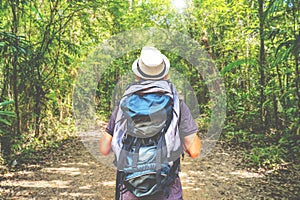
(105, 140)
(192, 145)
(105, 144)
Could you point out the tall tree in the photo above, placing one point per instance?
(262, 62)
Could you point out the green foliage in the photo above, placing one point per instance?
(5, 121)
(38, 68)
(238, 63)
(267, 156)
(263, 150)
(5, 117)
(4, 114)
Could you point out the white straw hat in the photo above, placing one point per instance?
(151, 65)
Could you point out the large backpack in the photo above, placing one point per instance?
(146, 140)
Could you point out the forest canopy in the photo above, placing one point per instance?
(254, 44)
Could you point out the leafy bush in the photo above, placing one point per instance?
(265, 149)
(4, 121)
(5, 115)
(267, 156)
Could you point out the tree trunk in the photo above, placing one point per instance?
(14, 78)
(297, 86)
(262, 63)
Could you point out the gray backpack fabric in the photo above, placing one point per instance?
(146, 140)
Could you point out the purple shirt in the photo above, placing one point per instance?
(187, 126)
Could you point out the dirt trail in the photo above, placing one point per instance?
(70, 172)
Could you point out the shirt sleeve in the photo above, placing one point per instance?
(111, 124)
(187, 125)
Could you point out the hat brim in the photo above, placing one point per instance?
(139, 72)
